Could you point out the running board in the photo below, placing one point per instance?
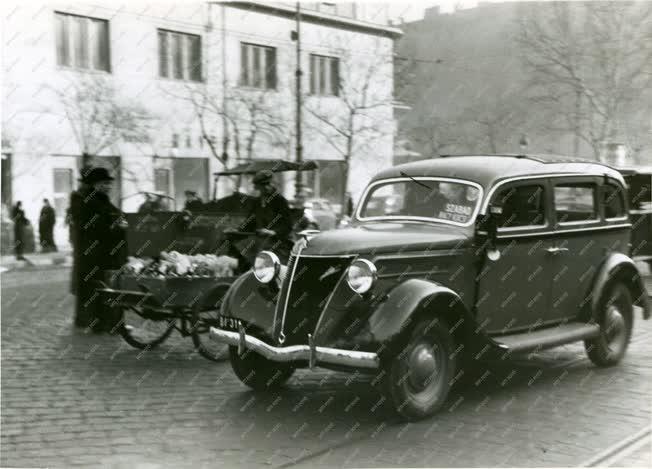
(548, 337)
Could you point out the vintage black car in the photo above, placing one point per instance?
(475, 256)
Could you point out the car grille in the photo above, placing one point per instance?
(313, 281)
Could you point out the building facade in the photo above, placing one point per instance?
(164, 95)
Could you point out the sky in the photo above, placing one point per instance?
(413, 10)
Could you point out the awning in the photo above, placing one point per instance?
(276, 166)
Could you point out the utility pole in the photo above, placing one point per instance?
(225, 127)
(298, 183)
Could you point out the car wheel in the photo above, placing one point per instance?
(258, 372)
(418, 378)
(615, 316)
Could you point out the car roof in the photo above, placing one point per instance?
(488, 169)
(635, 170)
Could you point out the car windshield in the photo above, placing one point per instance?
(422, 198)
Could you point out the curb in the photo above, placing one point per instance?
(64, 260)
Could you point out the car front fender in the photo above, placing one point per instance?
(247, 299)
(415, 297)
(620, 266)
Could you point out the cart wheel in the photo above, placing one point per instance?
(207, 348)
(143, 332)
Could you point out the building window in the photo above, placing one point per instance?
(179, 55)
(257, 66)
(82, 42)
(162, 180)
(324, 75)
(328, 7)
(63, 181)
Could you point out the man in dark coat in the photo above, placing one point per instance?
(271, 217)
(193, 201)
(20, 224)
(73, 221)
(101, 243)
(46, 223)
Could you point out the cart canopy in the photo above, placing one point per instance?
(276, 166)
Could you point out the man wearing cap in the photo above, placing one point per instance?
(193, 201)
(101, 243)
(271, 216)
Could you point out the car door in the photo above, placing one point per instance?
(587, 229)
(514, 289)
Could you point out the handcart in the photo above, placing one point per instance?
(153, 306)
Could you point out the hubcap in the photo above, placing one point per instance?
(423, 366)
(615, 328)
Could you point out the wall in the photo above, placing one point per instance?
(41, 139)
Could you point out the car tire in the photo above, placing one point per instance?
(616, 319)
(257, 372)
(418, 378)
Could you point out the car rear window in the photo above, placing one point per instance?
(575, 203)
(613, 201)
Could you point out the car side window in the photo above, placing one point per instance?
(575, 203)
(522, 206)
(613, 201)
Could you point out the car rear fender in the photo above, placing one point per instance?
(618, 266)
(415, 299)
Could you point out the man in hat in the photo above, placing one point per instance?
(271, 216)
(193, 201)
(73, 222)
(101, 245)
(46, 223)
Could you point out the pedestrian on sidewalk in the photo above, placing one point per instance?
(100, 246)
(46, 223)
(20, 224)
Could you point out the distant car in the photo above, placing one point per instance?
(479, 256)
(639, 194)
(321, 211)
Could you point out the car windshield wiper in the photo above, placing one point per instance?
(416, 182)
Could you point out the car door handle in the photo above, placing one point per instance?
(555, 250)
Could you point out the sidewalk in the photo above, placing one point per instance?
(62, 258)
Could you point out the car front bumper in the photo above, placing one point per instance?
(310, 353)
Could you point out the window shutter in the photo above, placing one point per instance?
(244, 60)
(163, 46)
(102, 56)
(82, 58)
(270, 62)
(258, 72)
(313, 74)
(195, 58)
(335, 77)
(322, 75)
(177, 58)
(63, 46)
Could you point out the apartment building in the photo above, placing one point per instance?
(164, 95)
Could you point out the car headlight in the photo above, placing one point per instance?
(361, 275)
(266, 266)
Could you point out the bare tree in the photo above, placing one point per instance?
(351, 123)
(591, 66)
(251, 116)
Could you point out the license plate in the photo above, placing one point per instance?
(225, 322)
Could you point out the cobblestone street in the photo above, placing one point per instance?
(70, 399)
